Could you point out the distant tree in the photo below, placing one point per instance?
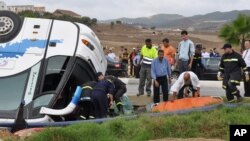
(236, 32)
(94, 21)
(118, 22)
(153, 27)
(112, 24)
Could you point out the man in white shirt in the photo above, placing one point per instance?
(246, 57)
(111, 54)
(204, 53)
(187, 81)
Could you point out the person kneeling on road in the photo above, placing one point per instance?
(86, 104)
(187, 81)
(120, 90)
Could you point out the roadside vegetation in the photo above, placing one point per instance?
(213, 124)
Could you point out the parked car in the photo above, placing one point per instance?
(211, 67)
(115, 68)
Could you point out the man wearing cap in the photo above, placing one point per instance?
(230, 71)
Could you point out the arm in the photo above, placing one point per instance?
(192, 50)
(173, 55)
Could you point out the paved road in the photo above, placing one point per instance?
(211, 88)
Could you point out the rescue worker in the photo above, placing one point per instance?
(246, 57)
(230, 71)
(86, 104)
(102, 91)
(120, 89)
(148, 53)
(187, 82)
(197, 65)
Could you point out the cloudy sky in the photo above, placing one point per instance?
(109, 9)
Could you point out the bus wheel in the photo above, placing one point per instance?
(10, 25)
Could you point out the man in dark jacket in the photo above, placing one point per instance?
(120, 90)
(102, 96)
(231, 65)
(86, 104)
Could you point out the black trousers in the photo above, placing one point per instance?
(230, 83)
(181, 91)
(87, 108)
(137, 71)
(247, 86)
(131, 68)
(163, 82)
(119, 93)
(100, 100)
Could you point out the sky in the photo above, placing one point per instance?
(112, 9)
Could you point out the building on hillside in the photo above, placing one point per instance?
(39, 9)
(60, 12)
(21, 8)
(3, 5)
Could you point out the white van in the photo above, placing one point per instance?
(41, 63)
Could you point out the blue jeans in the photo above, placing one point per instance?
(183, 66)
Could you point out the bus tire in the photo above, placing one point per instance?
(10, 25)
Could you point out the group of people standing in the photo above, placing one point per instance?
(156, 66)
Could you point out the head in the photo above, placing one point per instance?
(203, 50)
(247, 44)
(134, 49)
(165, 42)
(227, 48)
(160, 54)
(110, 50)
(100, 76)
(184, 35)
(148, 43)
(122, 47)
(125, 50)
(186, 77)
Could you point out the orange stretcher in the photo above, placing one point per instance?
(186, 103)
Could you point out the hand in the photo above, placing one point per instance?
(169, 80)
(156, 83)
(246, 76)
(190, 66)
(219, 76)
(174, 97)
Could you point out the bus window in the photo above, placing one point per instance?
(54, 72)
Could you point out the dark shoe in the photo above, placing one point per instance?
(239, 99)
(232, 101)
(139, 94)
(148, 94)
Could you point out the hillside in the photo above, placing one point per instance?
(211, 21)
(130, 37)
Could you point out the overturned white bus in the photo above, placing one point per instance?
(41, 63)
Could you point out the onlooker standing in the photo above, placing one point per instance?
(197, 65)
(186, 52)
(125, 59)
(131, 58)
(246, 57)
(204, 53)
(137, 66)
(111, 54)
(148, 53)
(169, 51)
(160, 72)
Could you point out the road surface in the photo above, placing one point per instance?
(211, 88)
